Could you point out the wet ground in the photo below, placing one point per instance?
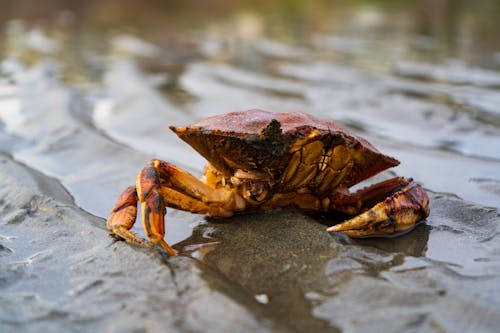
(86, 94)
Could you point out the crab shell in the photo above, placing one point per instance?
(262, 141)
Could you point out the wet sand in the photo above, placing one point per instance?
(68, 148)
(271, 271)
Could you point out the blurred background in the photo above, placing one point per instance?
(428, 31)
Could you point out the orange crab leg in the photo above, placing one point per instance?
(160, 185)
(397, 213)
(123, 216)
(181, 190)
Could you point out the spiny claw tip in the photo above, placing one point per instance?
(333, 228)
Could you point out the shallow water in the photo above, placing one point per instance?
(87, 92)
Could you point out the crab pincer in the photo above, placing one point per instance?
(397, 214)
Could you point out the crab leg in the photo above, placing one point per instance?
(160, 185)
(397, 213)
(123, 216)
(179, 189)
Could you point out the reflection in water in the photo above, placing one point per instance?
(288, 262)
(413, 243)
(276, 260)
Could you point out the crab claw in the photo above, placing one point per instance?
(396, 214)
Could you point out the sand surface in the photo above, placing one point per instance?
(68, 147)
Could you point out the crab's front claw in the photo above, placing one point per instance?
(396, 214)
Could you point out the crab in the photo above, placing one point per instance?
(264, 160)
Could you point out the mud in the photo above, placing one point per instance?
(272, 271)
(82, 110)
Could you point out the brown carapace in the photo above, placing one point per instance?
(264, 160)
